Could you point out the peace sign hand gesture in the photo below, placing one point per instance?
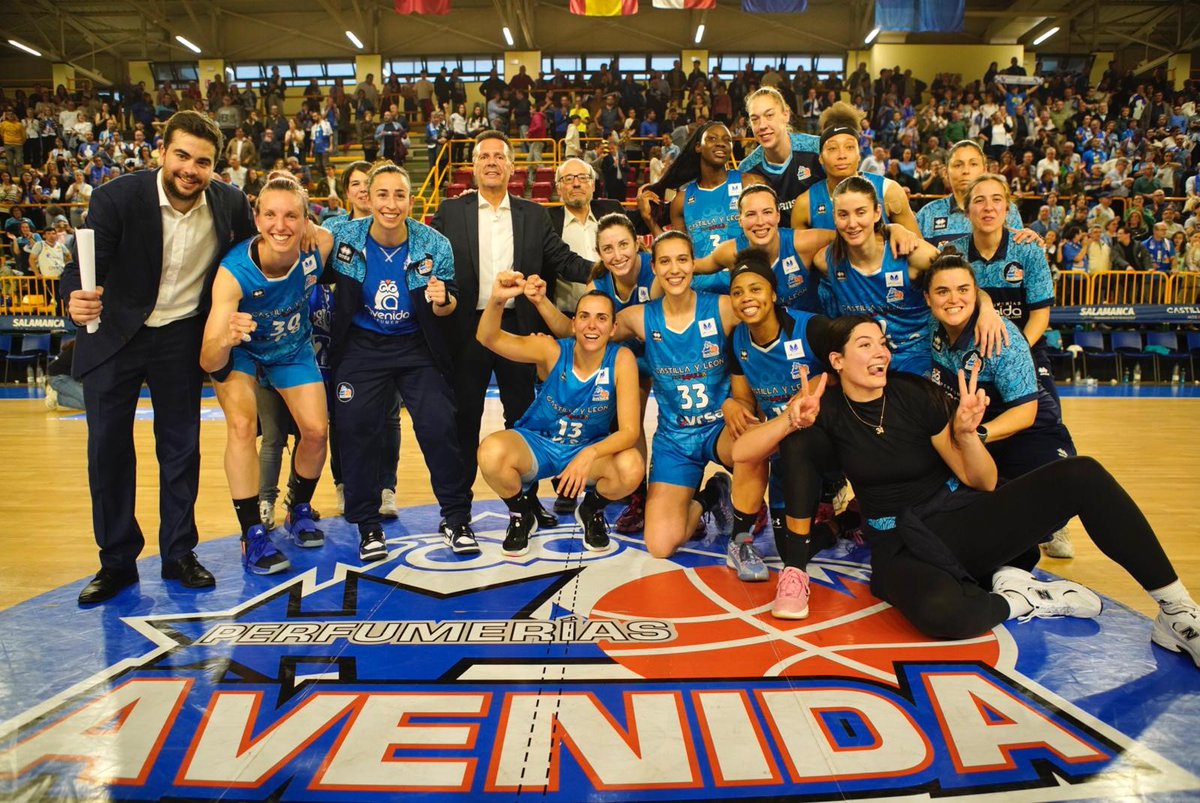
(802, 409)
(972, 403)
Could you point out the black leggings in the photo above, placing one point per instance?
(1001, 528)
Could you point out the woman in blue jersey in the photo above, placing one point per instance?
(259, 321)
(685, 333)
(791, 251)
(588, 382)
(840, 159)
(946, 218)
(705, 191)
(785, 160)
(1023, 426)
(624, 274)
(946, 540)
(867, 278)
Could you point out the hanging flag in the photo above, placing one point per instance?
(604, 8)
(775, 6)
(921, 16)
(422, 6)
(685, 4)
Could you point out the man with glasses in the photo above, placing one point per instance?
(576, 183)
(491, 232)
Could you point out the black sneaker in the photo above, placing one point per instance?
(460, 538)
(545, 519)
(564, 505)
(516, 537)
(372, 547)
(595, 529)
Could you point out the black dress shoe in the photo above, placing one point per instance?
(188, 571)
(106, 585)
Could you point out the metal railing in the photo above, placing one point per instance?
(1076, 288)
(29, 295)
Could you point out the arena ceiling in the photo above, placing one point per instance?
(96, 35)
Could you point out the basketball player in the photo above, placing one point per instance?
(259, 321)
(937, 523)
(587, 382)
(704, 205)
(787, 161)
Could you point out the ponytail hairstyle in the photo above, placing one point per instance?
(283, 182)
(751, 189)
(612, 220)
(770, 92)
(685, 167)
(949, 259)
(385, 168)
(838, 249)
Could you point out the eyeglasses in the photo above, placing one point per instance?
(582, 178)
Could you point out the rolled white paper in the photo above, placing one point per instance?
(85, 239)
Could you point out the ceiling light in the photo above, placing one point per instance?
(187, 44)
(26, 48)
(354, 40)
(871, 36)
(699, 32)
(508, 37)
(1045, 36)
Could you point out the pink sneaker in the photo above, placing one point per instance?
(791, 595)
(633, 517)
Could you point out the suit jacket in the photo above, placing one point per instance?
(600, 208)
(128, 223)
(537, 250)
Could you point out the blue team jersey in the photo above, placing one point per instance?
(385, 307)
(820, 204)
(711, 216)
(570, 410)
(1009, 378)
(689, 368)
(1017, 277)
(796, 285)
(279, 306)
(641, 291)
(1161, 251)
(891, 296)
(944, 219)
(773, 372)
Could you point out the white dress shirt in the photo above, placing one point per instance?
(581, 237)
(189, 243)
(495, 246)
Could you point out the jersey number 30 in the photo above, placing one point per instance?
(280, 328)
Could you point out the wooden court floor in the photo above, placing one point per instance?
(1151, 445)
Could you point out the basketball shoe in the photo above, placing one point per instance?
(791, 594)
(595, 528)
(743, 558)
(302, 528)
(372, 546)
(1177, 628)
(516, 537)
(259, 555)
(387, 503)
(1060, 545)
(1035, 599)
(633, 517)
(460, 538)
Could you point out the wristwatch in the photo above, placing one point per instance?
(982, 432)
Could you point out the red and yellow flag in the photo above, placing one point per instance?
(604, 8)
(422, 6)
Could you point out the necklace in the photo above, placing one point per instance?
(877, 427)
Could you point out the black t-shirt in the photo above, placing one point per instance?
(899, 468)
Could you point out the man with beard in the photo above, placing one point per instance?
(159, 237)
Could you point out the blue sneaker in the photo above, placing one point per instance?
(302, 527)
(742, 557)
(259, 555)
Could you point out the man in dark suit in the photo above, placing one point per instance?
(159, 237)
(492, 231)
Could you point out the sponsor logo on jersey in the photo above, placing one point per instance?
(791, 265)
(691, 200)
(345, 391)
(310, 264)
(840, 275)
(424, 267)
(803, 173)
(387, 295)
(710, 349)
(708, 327)
(971, 360)
(602, 376)
(795, 280)
(743, 355)
(793, 349)
(259, 293)
(895, 295)
(643, 294)
(935, 374)
(599, 394)
(797, 370)
(1014, 272)
(344, 253)
(894, 278)
(656, 336)
(309, 281)
(940, 223)
(735, 188)
(821, 208)
(937, 342)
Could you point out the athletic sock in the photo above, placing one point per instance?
(247, 513)
(300, 490)
(1173, 594)
(516, 504)
(593, 501)
(743, 524)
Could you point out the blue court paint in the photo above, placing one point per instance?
(565, 676)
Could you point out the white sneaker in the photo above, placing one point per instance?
(51, 398)
(341, 498)
(266, 512)
(1177, 628)
(387, 504)
(1060, 545)
(1046, 600)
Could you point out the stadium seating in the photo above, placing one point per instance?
(1131, 355)
(1173, 356)
(30, 350)
(1095, 355)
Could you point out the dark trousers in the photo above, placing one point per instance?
(372, 369)
(473, 370)
(166, 358)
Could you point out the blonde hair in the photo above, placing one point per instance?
(283, 183)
